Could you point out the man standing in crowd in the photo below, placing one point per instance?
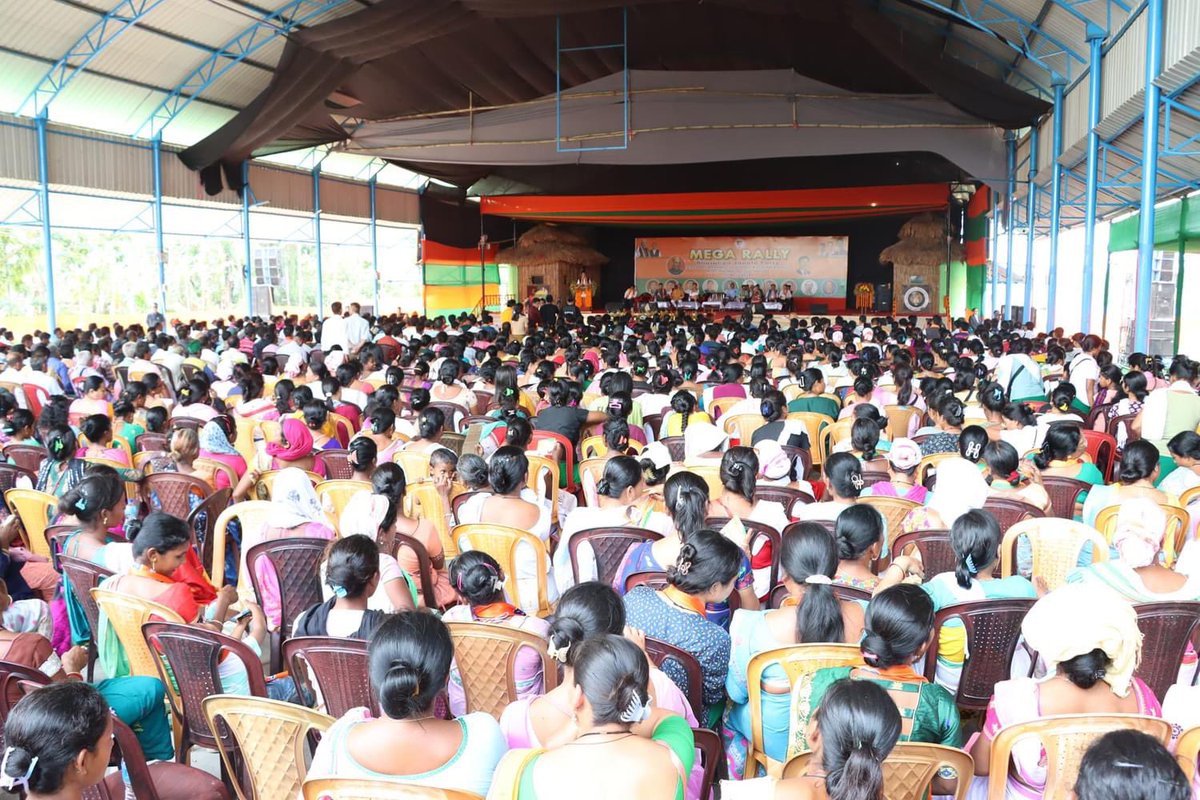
(154, 318)
(358, 330)
(333, 329)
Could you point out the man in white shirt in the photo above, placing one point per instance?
(333, 330)
(358, 330)
(289, 347)
(169, 357)
(35, 373)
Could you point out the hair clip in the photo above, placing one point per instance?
(636, 711)
(498, 584)
(969, 563)
(340, 591)
(11, 782)
(559, 654)
(856, 480)
(974, 449)
(81, 503)
(818, 579)
(683, 567)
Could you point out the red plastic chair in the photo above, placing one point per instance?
(27, 456)
(84, 576)
(671, 659)
(710, 752)
(653, 578)
(1064, 493)
(609, 546)
(993, 628)
(193, 653)
(1167, 629)
(338, 667)
(36, 397)
(1009, 512)
(567, 481)
(787, 497)
(757, 531)
(296, 563)
(1103, 450)
(937, 555)
(675, 446)
(337, 464)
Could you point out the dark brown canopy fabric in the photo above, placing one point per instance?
(404, 57)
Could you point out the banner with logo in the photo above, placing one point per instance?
(802, 266)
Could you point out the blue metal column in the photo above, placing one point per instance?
(372, 184)
(1031, 208)
(316, 204)
(246, 237)
(1055, 200)
(44, 203)
(995, 232)
(1145, 269)
(159, 247)
(1095, 40)
(1010, 221)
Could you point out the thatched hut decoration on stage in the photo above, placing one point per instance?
(919, 261)
(553, 259)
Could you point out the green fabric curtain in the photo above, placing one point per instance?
(460, 275)
(1175, 224)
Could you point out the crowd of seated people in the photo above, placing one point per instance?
(715, 547)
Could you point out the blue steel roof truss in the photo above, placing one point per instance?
(125, 15)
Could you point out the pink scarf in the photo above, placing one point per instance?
(299, 441)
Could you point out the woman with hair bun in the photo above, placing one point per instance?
(843, 484)
(380, 428)
(851, 734)
(948, 414)
(62, 470)
(584, 611)
(480, 582)
(621, 493)
(739, 478)
(814, 615)
(1062, 455)
(1088, 638)
(975, 540)
(686, 497)
(409, 662)
(59, 740)
(644, 751)
(897, 631)
(704, 572)
(1136, 477)
(509, 503)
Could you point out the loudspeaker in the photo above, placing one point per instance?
(916, 298)
(883, 298)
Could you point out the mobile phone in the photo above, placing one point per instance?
(242, 616)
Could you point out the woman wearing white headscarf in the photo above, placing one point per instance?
(366, 514)
(295, 512)
(960, 487)
(1088, 638)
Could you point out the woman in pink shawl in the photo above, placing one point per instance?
(296, 448)
(295, 512)
(546, 721)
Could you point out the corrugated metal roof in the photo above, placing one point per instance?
(123, 84)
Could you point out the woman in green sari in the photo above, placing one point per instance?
(897, 631)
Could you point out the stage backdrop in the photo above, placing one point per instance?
(814, 266)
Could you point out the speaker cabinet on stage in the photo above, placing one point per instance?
(883, 298)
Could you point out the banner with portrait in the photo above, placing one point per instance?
(710, 266)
